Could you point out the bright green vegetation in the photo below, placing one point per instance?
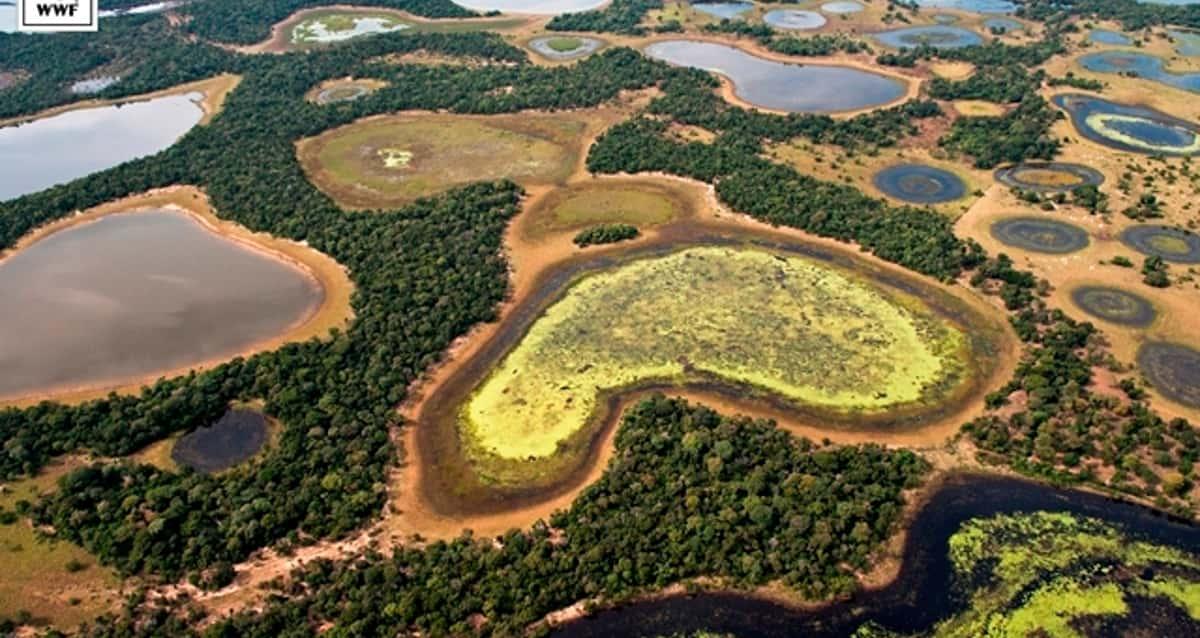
(1043, 572)
(394, 160)
(641, 204)
(817, 337)
(564, 44)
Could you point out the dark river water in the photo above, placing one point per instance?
(131, 295)
(57, 149)
(921, 596)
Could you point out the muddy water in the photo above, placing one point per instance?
(130, 296)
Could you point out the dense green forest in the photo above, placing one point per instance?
(620, 16)
(605, 234)
(689, 493)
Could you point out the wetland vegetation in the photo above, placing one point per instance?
(919, 184)
(1040, 234)
(1115, 305)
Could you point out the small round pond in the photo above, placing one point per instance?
(328, 28)
(58, 149)
(794, 19)
(1104, 36)
(236, 437)
(344, 92)
(1172, 244)
(129, 296)
(1049, 177)
(937, 36)
(565, 48)
(919, 184)
(1137, 129)
(774, 85)
(1115, 305)
(1173, 369)
(723, 10)
(1140, 65)
(842, 7)
(1040, 235)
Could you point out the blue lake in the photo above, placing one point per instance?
(724, 10)
(1186, 42)
(1141, 65)
(937, 36)
(1125, 127)
(61, 148)
(842, 7)
(794, 20)
(774, 85)
(1104, 36)
(974, 6)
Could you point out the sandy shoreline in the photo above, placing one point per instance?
(215, 90)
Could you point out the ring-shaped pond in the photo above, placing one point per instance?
(938, 36)
(809, 88)
(1136, 129)
(1115, 305)
(562, 48)
(1171, 244)
(794, 19)
(1173, 369)
(1040, 235)
(1049, 177)
(919, 184)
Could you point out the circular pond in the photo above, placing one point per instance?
(842, 7)
(1049, 177)
(1172, 244)
(723, 10)
(919, 184)
(1040, 235)
(564, 48)
(234, 438)
(1173, 369)
(794, 19)
(1137, 129)
(1115, 305)
(343, 92)
(1140, 65)
(339, 27)
(1104, 36)
(937, 36)
(808, 88)
(945, 18)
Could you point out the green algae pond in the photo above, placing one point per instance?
(786, 329)
(984, 557)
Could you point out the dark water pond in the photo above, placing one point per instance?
(724, 10)
(1115, 305)
(1104, 36)
(1140, 64)
(1040, 235)
(919, 184)
(1172, 244)
(785, 87)
(1124, 127)
(937, 36)
(58, 149)
(130, 295)
(234, 438)
(541, 7)
(794, 19)
(923, 593)
(1173, 369)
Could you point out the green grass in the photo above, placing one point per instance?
(564, 44)
(309, 31)
(36, 578)
(392, 161)
(788, 326)
(639, 204)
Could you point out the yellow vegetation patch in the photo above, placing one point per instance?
(978, 108)
(952, 70)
